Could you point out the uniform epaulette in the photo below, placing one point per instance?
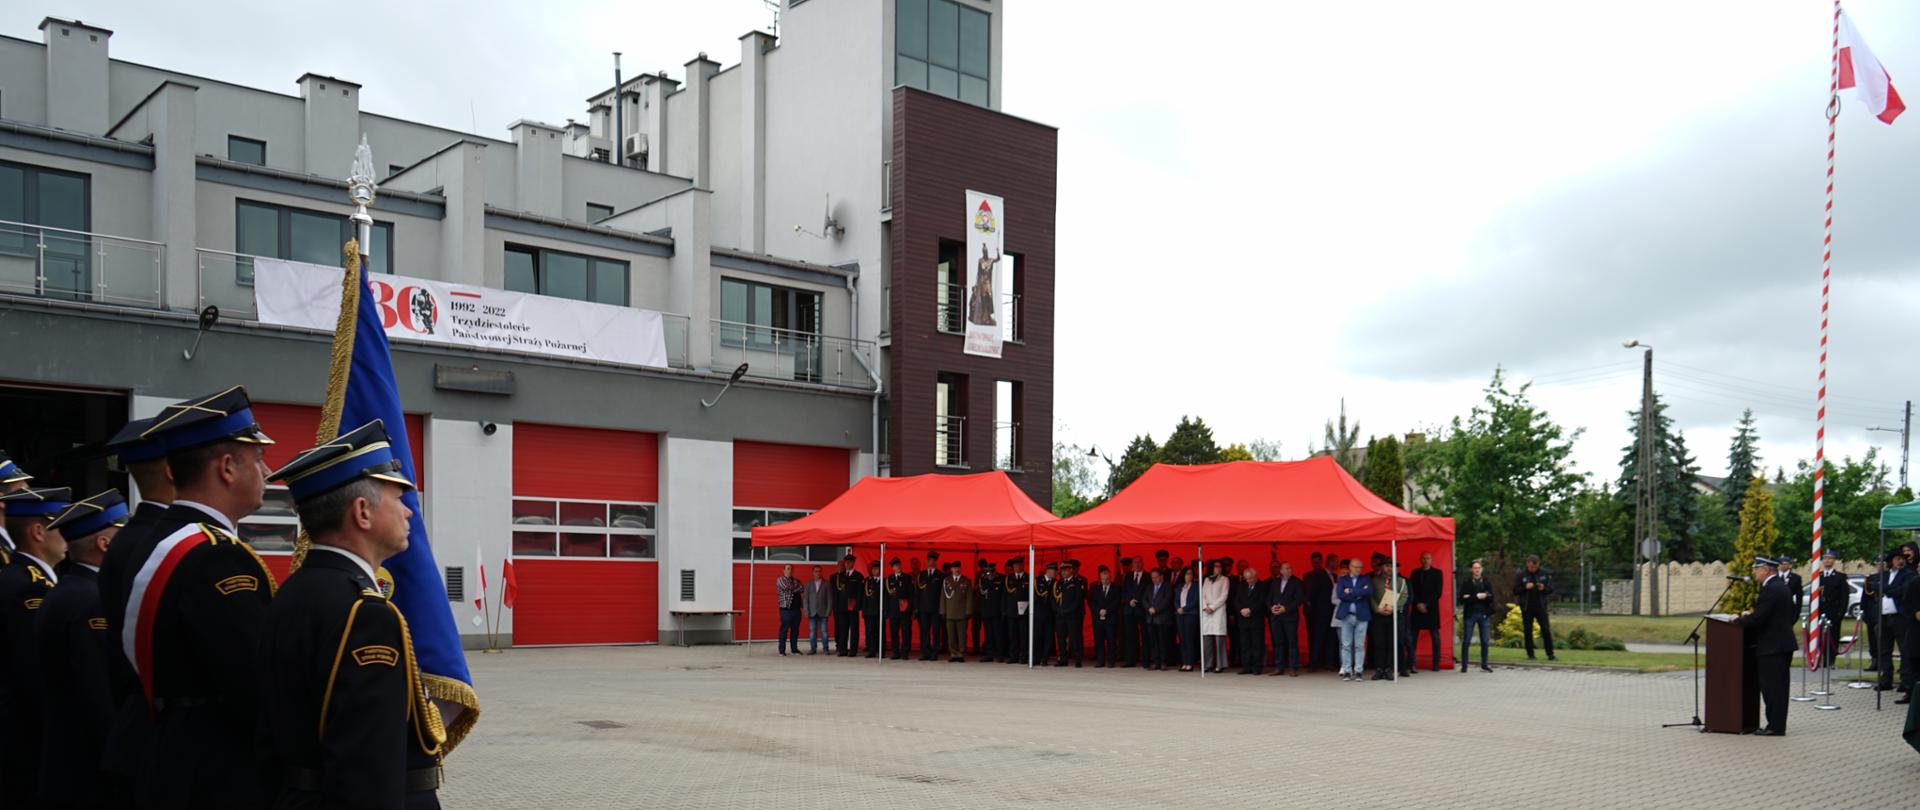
(373, 593)
(217, 533)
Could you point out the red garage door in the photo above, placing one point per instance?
(775, 483)
(273, 529)
(584, 520)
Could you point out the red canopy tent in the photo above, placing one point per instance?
(1241, 509)
(971, 513)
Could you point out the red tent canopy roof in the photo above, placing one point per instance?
(1274, 501)
(983, 510)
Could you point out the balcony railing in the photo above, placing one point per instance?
(1006, 446)
(949, 441)
(786, 354)
(677, 327)
(950, 310)
(80, 266)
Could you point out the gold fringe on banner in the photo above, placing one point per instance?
(338, 367)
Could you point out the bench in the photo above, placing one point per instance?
(689, 613)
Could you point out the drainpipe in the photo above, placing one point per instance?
(853, 295)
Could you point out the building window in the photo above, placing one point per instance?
(1006, 425)
(943, 47)
(950, 420)
(597, 212)
(746, 520)
(30, 195)
(295, 234)
(275, 525)
(949, 291)
(246, 150)
(775, 330)
(1010, 298)
(566, 275)
(395, 168)
(552, 527)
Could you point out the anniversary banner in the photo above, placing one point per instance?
(987, 285)
(308, 295)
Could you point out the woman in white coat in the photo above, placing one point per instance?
(1213, 619)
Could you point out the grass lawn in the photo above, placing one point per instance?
(1639, 662)
(1648, 629)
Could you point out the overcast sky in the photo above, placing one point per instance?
(1266, 207)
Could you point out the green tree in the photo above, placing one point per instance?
(1341, 439)
(1190, 443)
(1673, 483)
(1850, 523)
(1605, 526)
(1742, 457)
(1758, 536)
(1235, 452)
(1714, 530)
(1386, 476)
(1503, 473)
(1264, 449)
(1141, 453)
(1075, 485)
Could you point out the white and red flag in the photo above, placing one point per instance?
(480, 597)
(1861, 71)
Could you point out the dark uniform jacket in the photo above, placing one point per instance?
(1043, 608)
(899, 589)
(1319, 591)
(75, 648)
(1770, 625)
(1870, 597)
(1070, 597)
(870, 596)
(1132, 592)
(1161, 602)
(132, 722)
(23, 592)
(847, 590)
(1289, 596)
(991, 601)
(1835, 595)
(345, 715)
(1796, 588)
(1251, 598)
(206, 688)
(1016, 588)
(1534, 600)
(926, 597)
(1470, 602)
(1426, 586)
(1111, 601)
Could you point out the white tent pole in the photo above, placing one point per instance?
(1393, 577)
(1200, 579)
(884, 573)
(1033, 560)
(751, 587)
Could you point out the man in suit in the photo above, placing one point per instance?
(1247, 605)
(1770, 631)
(933, 628)
(1906, 600)
(1133, 615)
(74, 649)
(1043, 614)
(1070, 614)
(1429, 590)
(848, 588)
(1796, 587)
(1017, 609)
(1285, 595)
(1531, 588)
(1157, 602)
(956, 608)
(1893, 622)
(24, 585)
(1835, 594)
(991, 606)
(1105, 601)
(1323, 647)
(818, 598)
(899, 598)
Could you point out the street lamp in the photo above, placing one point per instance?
(1905, 430)
(1094, 452)
(1649, 517)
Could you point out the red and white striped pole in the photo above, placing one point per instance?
(1826, 287)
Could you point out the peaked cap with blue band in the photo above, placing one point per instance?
(10, 473)
(131, 448)
(225, 416)
(45, 502)
(363, 452)
(92, 514)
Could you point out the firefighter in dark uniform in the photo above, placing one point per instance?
(145, 461)
(192, 627)
(899, 611)
(847, 591)
(12, 479)
(24, 585)
(347, 720)
(1070, 614)
(1770, 632)
(926, 603)
(976, 627)
(1043, 614)
(870, 604)
(992, 606)
(75, 648)
(1835, 596)
(1015, 609)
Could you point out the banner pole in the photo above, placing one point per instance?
(752, 570)
(1033, 560)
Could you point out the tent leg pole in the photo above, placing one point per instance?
(1200, 576)
(1032, 560)
(882, 654)
(1392, 578)
(751, 587)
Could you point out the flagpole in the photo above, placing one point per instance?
(1826, 288)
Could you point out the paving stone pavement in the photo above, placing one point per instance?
(712, 727)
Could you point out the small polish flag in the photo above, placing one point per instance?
(510, 586)
(1859, 70)
(480, 565)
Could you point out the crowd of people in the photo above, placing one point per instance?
(152, 660)
(1358, 617)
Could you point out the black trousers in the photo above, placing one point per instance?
(932, 635)
(899, 633)
(1285, 629)
(1070, 634)
(872, 620)
(1771, 669)
(1133, 638)
(1433, 637)
(993, 643)
(976, 629)
(1528, 616)
(1829, 643)
(1380, 643)
(1160, 644)
(846, 631)
(1909, 641)
(1323, 641)
(1250, 646)
(1872, 626)
(1892, 633)
(1043, 641)
(1106, 639)
(1017, 638)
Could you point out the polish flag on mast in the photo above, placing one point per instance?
(1859, 70)
(480, 597)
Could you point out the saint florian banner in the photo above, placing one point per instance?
(986, 290)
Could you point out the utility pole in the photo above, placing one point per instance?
(1647, 522)
(1906, 434)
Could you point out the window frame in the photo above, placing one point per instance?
(762, 555)
(30, 197)
(233, 140)
(256, 519)
(917, 71)
(283, 248)
(539, 255)
(590, 211)
(606, 532)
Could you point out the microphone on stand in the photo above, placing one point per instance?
(1731, 578)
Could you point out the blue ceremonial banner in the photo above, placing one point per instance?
(417, 588)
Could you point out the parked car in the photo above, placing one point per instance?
(1855, 587)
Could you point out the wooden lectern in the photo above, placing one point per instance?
(1733, 688)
